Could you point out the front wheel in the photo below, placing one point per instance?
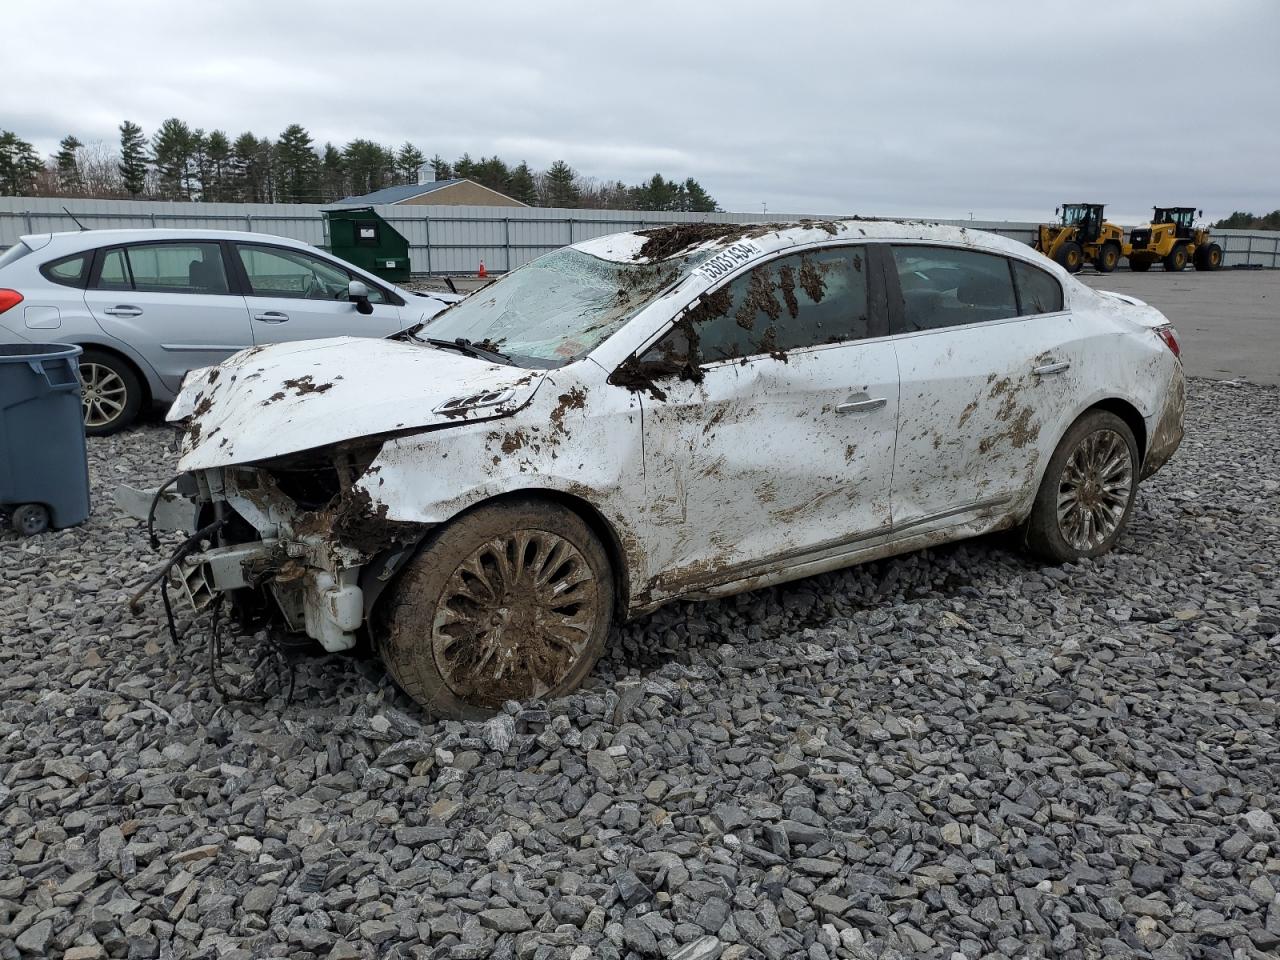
(510, 602)
(1087, 492)
(1070, 256)
(1176, 261)
(1108, 258)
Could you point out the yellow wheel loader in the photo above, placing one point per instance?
(1172, 239)
(1082, 235)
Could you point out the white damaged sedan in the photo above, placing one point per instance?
(687, 412)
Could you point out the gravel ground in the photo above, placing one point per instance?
(955, 753)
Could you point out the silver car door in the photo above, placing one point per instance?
(172, 302)
(296, 295)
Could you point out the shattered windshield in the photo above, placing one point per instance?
(557, 308)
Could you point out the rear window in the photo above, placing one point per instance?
(13, 254)
(70, 271)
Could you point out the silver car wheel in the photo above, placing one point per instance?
(103, 394)
(1094, 491)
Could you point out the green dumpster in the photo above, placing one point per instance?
(361, 237)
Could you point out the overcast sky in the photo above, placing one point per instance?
(1002, 108)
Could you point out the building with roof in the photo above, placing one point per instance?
(457, 191)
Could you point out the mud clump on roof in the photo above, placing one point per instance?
(304, 385)
(662, 243)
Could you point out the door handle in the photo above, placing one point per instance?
(123, 310)
(1056, 367)
(271, 316)
(861, 406)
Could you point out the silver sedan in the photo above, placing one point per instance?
(148, 306)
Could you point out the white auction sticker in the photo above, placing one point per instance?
(729, 259)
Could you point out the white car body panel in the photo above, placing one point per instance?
(745, 478)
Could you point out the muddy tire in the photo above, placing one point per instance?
(110, 393)
(1070, 257)
(1088, 490)
(1139, 266)
(509, 602)
(1108, 258)
(1176, 261)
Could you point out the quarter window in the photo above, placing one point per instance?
(277, 272)
(945, 287)
(1037, 291)
(114, 274)
(69, 271)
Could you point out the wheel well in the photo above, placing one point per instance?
(127, 361)
(1132, 418)
(601, 527)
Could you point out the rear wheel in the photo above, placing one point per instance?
(1177, 259)
(1070, 257)
(1209, 257)
(510, 602)
(110, 393)
(1087, 492)
(1139, 266)
(1108, 258)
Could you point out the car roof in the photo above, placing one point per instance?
(88, 239)
(678, 240)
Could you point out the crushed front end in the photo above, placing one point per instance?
(294, 542)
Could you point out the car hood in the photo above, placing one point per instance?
(269, 401)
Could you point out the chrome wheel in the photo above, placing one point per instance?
(514, 618)
(103, 394)
(1094, 491)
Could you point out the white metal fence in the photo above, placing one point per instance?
(455, 239)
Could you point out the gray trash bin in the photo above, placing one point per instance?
(44, 473)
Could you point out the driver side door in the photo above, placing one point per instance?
(295, 295)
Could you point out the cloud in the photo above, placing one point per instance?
(937, 108)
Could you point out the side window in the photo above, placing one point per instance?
(114, 274)
(800, 300)
(946, 287)
(1038, 292)
(69, 271)
(177, 268)
(277, 272)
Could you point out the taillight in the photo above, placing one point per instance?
(9, 299)
(1170, 338)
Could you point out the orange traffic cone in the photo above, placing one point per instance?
(483, 272)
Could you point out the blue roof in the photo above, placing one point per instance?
(404, 191)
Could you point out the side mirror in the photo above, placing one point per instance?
(1199, 213)
(1057, 211)
(358, 293)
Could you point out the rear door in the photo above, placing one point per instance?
(172, 302)
(778, 439)
(986, 363)
(296, 295)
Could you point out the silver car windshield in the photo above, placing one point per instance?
(559, 307)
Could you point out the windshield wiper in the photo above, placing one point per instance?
(465, 346)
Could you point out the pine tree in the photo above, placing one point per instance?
(217, 153)
(133, 159)
(559, 187)
(67, 164)
(409, 163)
(698, 200)
(297, 168)
(440, 168)
(521, 185)
(333, 174)
(464, 168)
(370, 166)
(197, 166)
(171, 152)
(19, 165)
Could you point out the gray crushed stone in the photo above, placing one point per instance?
(958, 753)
